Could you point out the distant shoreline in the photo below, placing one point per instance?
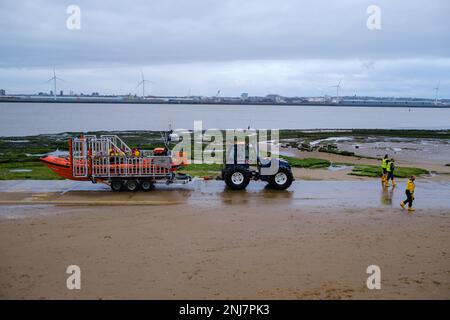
(284, 133)
(229, 103)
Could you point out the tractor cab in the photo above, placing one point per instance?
(239, 160)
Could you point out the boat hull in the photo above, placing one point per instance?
(61, 166)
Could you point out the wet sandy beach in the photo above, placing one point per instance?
(314, 241)
(328, 194)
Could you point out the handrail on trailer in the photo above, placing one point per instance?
(91, 157)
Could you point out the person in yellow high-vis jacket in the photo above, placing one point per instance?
(390, 173)
(384, 165)
(410, 186)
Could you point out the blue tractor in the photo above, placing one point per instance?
(238, 172)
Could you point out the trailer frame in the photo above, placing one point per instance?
(109, 159)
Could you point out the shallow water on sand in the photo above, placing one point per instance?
(328, 194)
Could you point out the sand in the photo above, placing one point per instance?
(209, 244)
(266, 250)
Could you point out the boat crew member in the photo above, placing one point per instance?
(410, 186)
(384, 164)
(136, 152)
(390, 173)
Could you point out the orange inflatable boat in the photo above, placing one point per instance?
(108, 159)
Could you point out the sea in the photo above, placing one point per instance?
(23, 119)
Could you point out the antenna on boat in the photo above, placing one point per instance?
(169, 136)
(165, 139)
(54, 78)
(143, 81)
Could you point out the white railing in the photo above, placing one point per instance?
(117, 142)
(79, 158)
(108, 156)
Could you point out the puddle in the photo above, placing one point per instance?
(331, 139)
(58, 153)
(24, 211)
(334, 167)
(17, 141)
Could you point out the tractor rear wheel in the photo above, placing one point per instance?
(237, 178)
(281, 180)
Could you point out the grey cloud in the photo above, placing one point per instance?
(287, 46)
(147, 32)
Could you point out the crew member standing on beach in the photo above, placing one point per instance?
(384, 164)
(390, 173)
(410, 186)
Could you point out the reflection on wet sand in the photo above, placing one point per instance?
(387, 194)
(266, 194)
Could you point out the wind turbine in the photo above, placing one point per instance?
(143, 81)
(54, 78)
(338, 86)
(437, 92)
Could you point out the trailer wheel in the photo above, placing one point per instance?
(281, 180)
(132, 185)
(116, 185)
(237, 179)
(147, 185)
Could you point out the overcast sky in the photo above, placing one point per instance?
(289, 47)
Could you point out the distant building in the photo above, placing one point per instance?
(275, 98)
(51, 92)
(61, 93)
(316, 99)
(95, 94)
(244, 96)
(2, 92)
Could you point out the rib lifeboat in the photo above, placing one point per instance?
(63, 166)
